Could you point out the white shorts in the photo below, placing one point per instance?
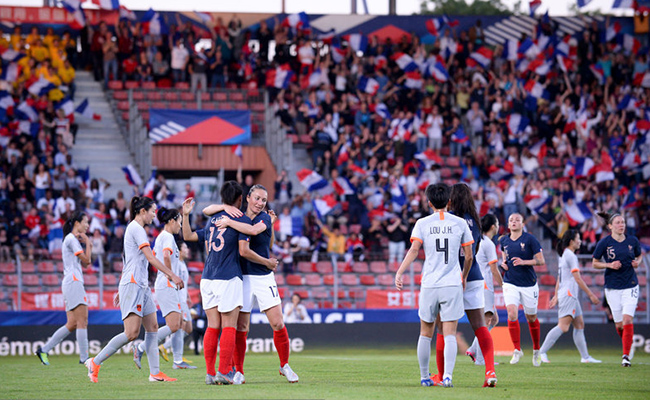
(168, 300)
(622, 302)
(446, 301)
(262, 288)
(569, 306)
(185, 311)
(225, 295)
(527, 296)
(74, 295)
(488, 297)
(473, 297)
(135, 299)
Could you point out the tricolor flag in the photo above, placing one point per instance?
(41, 87)
(237, 150)
(536, 89)
(147, 190)
(153, 23)
(327, 37)
(397, 196)
(459, 136)
(280, 77)
(357, 170)
(74, 8)
(338, 54)
(297, 21)
(539, 149)
(579, 167)
(510, 48)
(10, 55)
(107, 4)
(10, 72)
(528, 49)
(132, 176)
(540, 66)
(343, 187)
(632, 200)
(535, 203)
(383, 111)
(642, 79)
(324, 205)
(311, 179)
(567, 47)
(125, 13)
(598, 73)
(404, 62)
(481, 56)
(516, 124)
(66, 105)
(206, 18)
(85, 110)
(24, 111)
(566, 64)
(435, 25)
(316, 78)
(6, 101)
(534, 5)
(623, 4)
(612, 31)
(368, 85)
(438, 72)
(630, 43)
(413, 80)
(604, 171)
(577, 213)
(429, 157)
(628, 103)
(343, 155)
(357, 41)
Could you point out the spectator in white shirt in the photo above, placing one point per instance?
(180, 57)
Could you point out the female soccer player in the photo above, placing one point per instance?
(621, 255)
(486, 258)
(134, 296)
(521, 252)
(566, 295)
(74, 294)
(221, 283)
(442, 235)
(169, 298)
(461, 204)
(259, 283)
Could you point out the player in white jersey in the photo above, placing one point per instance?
(566, 296)
(486, 258)
(74, 294)
(442, 235)
(134, 296)
(169, 298)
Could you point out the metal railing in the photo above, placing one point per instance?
(278, 145)
(137, 139)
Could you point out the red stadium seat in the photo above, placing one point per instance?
(388, 280)
(282, 292)
(345, 305)
(110, 280)
(188, 96)
(56, 254)
(325, 267)
(600, 280)
(137, 95)
(159, 104)
(91, 280)
(4, 307)
(149, 85)
(10, 280)
(191, 106)
(279, 279)
(349, 280)
(46, 266)
(360, 267)
(357, 294)
(541, 269)
(118, 266)
(7, 268)
(313, 280)
(257, 107)
(253, 92)
(328, 280)
(418, 279)
(210, 106)
(378, 267)
(123, 105)
(31, 280)
(368, 280)
(417, 266)
(131, 84)
(642, 306)
(293, 138)
(320, 294)
(51, 280)
(554, 162)
(241, 106)
(219, 96)
(182, 85)
(294, 280)
(544, 299)
(452, 162)
(236, 96)
(225, 106)
(115, 85)
(306, 139)
(176, 105)
(143, 106)
(587, 278)
(197, 279)
(304, 267)
(27, 267)
(121, 95)
(642, 280)
(153, 95)
(548, 280)
(325, 304)
(171, 96)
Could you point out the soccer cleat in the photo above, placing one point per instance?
(210, 379)
(161, 377)
(471, 355)
(537, 359)
(516, 355)
(490, 379)
(231, 375)
(183, 365)
(238, 379)
(163, 352)
(626, 362)
(287, 372)
(436, 380)
(223, 379)
(590, 360)
(93, 370)
(42, 356)
(447, 383)
(544, 358)
(427, 382)
(188, 361)
(137, 356)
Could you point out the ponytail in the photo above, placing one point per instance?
(569, 235)
(165, 215)
(78, 216)
(488, 221)
(138, 203)
(609, 218)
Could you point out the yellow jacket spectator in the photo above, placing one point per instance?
(49, 38)
(43, 70)
(14, 39)
(66, 72)
(335, 239)
(56, 56)
(33, 37)
(39, 52)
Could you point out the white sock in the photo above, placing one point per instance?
(82, 341)
(113, 346)
(580, 342)
(168, 342)
(56, 338)
(160, 336)
(451, 349)
(177, 345)
(424, 355)
(151, 347)
(551, 337)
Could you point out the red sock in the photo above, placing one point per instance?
(620, 332)
(281, 342)
(210, 343)
(240, 351)
(515, 334)
(227, 349)
(628, 333)
(534, 333)
(440, 355)
(487, 347)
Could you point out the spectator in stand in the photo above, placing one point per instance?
(217, 68)
(160, 67)
(179, 58)
(198, 71)
(396, 231)
(295, 312)
(109, 50)
(282, 190)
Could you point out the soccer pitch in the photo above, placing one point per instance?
(333, 374)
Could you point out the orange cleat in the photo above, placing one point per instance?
(490, 379)
(93, 369)
(161, 377)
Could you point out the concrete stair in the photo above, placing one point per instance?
(100, 144)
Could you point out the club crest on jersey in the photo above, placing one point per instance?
(629, 246)
(522, 246)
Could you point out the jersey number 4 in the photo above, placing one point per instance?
(212, 245)
(444, 249)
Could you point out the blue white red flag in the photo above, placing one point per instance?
(132, 176)
(311, 179)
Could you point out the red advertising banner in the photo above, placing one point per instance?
(51, 15)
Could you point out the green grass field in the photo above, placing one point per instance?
(333, 374)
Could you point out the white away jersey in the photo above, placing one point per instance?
(165, 241)
(568, 264)
(442, 235)
(135, 263)
(71, 263)
(487, 254)
(185, 277)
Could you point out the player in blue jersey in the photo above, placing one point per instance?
(259, 283)
(461, 204)
(566, 296)
(221, 282)
(619, 255)
(521, 253)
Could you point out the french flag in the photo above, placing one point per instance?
(623, 4)
(452, 48)
(535, 203)
(66, 105)
(342, 186)
(404, 62)
(343, 155)
(429, 157)
(132, 176)
(567, 47)
(642, 79)
(205, 18)
(237, 150)
(368, 85)
(147, 190)
(380, 62)
(579, 167)
(630, 43)
(482, 56)
(324, 205)
(125, 13)
(632, 200)
(439, 72)
(311, 179)
(379, 214)
(497, 174)
(6, 101)
(280, 77)
(516, 124)
(338, 54)
(358, 42)
(539, 66)
(357, 170)
(566, 64)
(153, 23)
(459, 136)
(24, 111)
(10, 55)
(528, 48)
(577, 213)
(534, 5)
(510, 49)
(413, 80)
(10, 72)
(539, 150)
(612, 31)
(435, 25)
(627, 103)
(85, 110)
(327, 37)
(297, 21)
(41, 87)
(74, 8)
(397, 196)
(598, 73)
(383, 111)
(316, 78)
(536, 89)
(583, 3)
(107, 4)
(604, 170)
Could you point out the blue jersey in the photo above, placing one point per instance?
(222, 249)
(610, 250)
(525, 248)
(475, 271)
(260, 244)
